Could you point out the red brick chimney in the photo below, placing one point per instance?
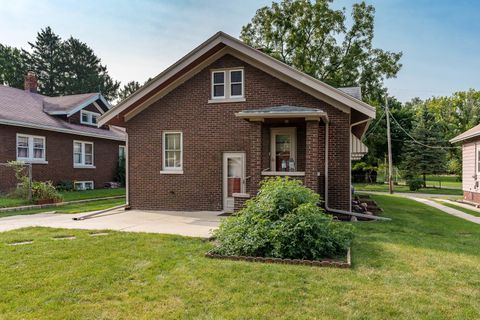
(31, 82)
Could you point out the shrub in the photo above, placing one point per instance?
(283, 221)
(64, 185)
(45, 191)
(415, 184)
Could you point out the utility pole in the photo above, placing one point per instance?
(389, 146)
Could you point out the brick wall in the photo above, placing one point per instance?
(211, 129)
(59, 154)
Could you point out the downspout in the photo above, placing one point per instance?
(127, 178)
(327, 208)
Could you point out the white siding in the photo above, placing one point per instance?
(469, 174)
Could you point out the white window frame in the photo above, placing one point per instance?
(171, 170)
(82, 164)
(218, 84)
(230, 83)
(227, 97)
(90, 115)
(82, 183)
(30, 158)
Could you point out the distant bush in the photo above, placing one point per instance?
(283, 221)
(65, 185)
(415, 184)
(45, 191)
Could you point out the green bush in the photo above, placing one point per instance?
(415, 184)
(64, 185)
(283, 221)
(45, 191)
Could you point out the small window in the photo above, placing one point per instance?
(88, 117)
(84, 185)
(236, 83)
(30, 148)
(82, 154)
(121, 153)
(218, 89)
(172, 151)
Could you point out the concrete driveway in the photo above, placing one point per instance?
(194, 224)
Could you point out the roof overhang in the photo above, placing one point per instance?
(261, 116)
(92, 100)
(464, 136)
(209, 51)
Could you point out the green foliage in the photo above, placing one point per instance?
(415, 184)
(283, 221)
(65, 185)
(128, 89)
(45, 191)
(316, 39)
(63, 67)
(120, 175)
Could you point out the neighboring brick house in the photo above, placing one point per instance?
(206, 131)
(470, 141)
(59, 136)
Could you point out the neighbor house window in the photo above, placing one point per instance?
(83, 185)
(88, 117)
(82, 154)
(227, 84)
(121, 153)
(172, 152)
(30, 148)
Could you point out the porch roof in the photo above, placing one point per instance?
(284, 111)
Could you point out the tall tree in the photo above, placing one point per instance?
(128, 89)
(46, 60)
(426, 155)
(12, 67)
(314, 38)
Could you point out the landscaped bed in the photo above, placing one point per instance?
(423, 264)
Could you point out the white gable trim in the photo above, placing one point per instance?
(321, 88)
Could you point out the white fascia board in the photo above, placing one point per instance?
(84, 104)
(61, 130)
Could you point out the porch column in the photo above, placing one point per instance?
(255, 159)
(311, 155)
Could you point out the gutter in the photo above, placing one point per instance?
(349, 213)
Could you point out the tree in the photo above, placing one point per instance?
(128, 89)
(12, 67)
(46, 60)
(314, 38)
(425, 155)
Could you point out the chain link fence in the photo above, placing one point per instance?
(8, 179)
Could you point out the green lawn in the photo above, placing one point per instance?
(380, 187)
(67, 196)
(70, 208)
(468, 211)
(422, 264)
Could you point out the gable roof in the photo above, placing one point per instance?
(25, 109)
(471, 133)
(212, 49)
(68, 105)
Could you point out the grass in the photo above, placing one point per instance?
(67, 196)
(422, 264)
(70, 208)
(468, 211)
(380, 187)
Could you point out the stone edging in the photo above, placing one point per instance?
(313, 263)
(51, 205)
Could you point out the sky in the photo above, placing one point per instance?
(139, 39)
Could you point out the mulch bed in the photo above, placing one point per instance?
(314, 263)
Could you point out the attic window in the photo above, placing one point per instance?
(227, 85)
(88, 117)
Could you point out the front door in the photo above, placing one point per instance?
(233, 177)
(283, 149)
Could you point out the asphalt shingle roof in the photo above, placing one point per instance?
(22, 106)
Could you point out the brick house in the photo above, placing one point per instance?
(470, 141)
(58, 136)
(204, 133)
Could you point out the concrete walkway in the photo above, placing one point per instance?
(451, 211)
(194, 224)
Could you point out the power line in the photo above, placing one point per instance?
(415, 140)
(374, 127)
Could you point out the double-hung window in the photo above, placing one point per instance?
(227, 85)
(172, 152)
(30, 148)
(82, 154)
(88, 117)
